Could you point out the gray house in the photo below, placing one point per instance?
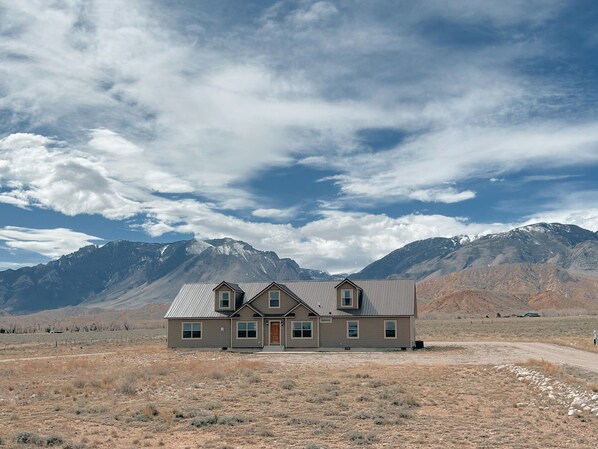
(294, 315)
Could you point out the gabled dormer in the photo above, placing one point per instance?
(348, 295)
(227, 297)
(275, 299)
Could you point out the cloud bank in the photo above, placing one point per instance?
(166, 118)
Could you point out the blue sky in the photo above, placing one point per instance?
(329, 132)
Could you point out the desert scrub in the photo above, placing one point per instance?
(217, 375)
(358, 437)
(29, 438)
(210, 420)
(288, 384)
(54, 440)
(127, 388)
(147, 413)
(407, 401)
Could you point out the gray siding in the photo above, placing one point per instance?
(212, 335)
(261, 303)
(371, 333)
(301, 314)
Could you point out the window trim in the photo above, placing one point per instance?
(343, 297)
(311, 329)
(192, 323)
(349, 337)
(395, 329)
(270, 299)
(247, 330)
(220, 299)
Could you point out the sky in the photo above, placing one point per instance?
(329, 132)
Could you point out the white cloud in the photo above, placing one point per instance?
(274, 213)
(47, 242)
(142, 108)
(418, 168)
(46, 174)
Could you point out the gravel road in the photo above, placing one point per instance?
(447, 353)
(436, 353)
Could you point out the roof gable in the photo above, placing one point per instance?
(347, 281)
(232, 286)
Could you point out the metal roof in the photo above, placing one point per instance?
(393, 297)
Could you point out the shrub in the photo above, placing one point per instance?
(361, 438)
(213, 405)
(54, 440)
(127, 388)
(263, 432)
(376, 384)
(288, 384)
(204, 421)
(232, 420)
(29, 438)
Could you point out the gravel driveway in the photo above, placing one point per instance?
(448, 353)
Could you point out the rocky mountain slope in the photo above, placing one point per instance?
(547, 267)
(509, 289)
(128, 274)
(567, 246)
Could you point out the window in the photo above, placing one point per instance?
(247, 329)
(274, 297)
(191, 330)
(390, 329)
(346, 298)
(352, 329)
(301, 329)
(224, 300)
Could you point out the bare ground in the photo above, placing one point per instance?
(447, 396)
(126, 390)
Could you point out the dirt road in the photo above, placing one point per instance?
(436, 353)
(448, 353)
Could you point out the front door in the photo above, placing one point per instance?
(274, 332)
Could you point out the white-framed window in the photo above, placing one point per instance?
(352, 329)
(390, 328)
(347, 298)
(224, 300)
(191, 331)
(246, 329)
(274, 299)
(301, 329)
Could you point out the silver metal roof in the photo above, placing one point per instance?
(394, 297)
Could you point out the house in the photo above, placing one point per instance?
(294, 315)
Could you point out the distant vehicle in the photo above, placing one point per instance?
(530, 315)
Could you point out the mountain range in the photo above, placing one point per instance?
(124, 274)
(546, 267)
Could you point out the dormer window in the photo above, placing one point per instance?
(274, 299)
(347, 298)
(224, 300)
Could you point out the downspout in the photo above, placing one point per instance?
(231, 333)
(319, 336)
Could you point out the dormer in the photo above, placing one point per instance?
(348, 295)
(227, 297)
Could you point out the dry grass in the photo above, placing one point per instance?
(567, 331)
(148, 396)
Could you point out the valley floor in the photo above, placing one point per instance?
(118, 393)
